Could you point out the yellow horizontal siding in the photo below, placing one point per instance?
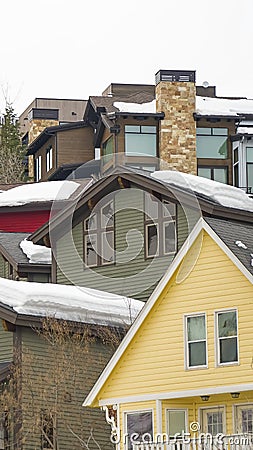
(154, 360)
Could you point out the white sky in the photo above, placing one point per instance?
(76, 49)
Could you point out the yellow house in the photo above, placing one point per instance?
(184, 371)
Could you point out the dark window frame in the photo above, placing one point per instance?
(138, 133)
(213, 167)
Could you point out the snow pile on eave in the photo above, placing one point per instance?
(223, 106)
(38, 192)
(36, 254)
(244, 130)
(72, 303)
(224, 194)
(149, 107)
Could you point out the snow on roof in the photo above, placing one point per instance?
(149, 107)
(74, 303)
(38, 192)
(224, 194)
(245, 130)
(223, 106)
(37, 254)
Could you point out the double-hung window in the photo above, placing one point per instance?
(99, 236)
(160, 227)
(249, 162)
(196, 342)
(227, 337)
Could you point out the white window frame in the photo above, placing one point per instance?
(217, 339)
(135, 411)
(167, 410)
(235, 414)
(187, 366)
(49, 158)
(38, 161)
(204, 409)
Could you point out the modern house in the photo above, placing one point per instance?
(47, 112)
(173, 123)
(183, 373)
(124, 231)
(55, 340)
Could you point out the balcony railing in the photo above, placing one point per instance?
(204, 442)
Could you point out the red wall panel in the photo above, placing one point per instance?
(26, 221)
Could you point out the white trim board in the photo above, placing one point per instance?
(200, 225)
(178, 394)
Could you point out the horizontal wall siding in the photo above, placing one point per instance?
(6, 344)
(132, 274)
(40, 368)
(154, 362)
(27, 221)
(75, 146)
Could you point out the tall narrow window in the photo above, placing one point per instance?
(139, 428)
(196, 345)
(227, 337)
(49, 159)
(38, 168)
(99, 236)
(160, 227)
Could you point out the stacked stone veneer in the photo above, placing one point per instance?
(37, 126)
(177, 139)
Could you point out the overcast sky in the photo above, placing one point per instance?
(74, 49)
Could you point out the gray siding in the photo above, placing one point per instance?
(6, 344)
(4, 267)
(132, 274)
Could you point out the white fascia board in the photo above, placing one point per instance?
(178, 394)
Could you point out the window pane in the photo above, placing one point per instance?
(107, 149)
(249, 154)
(91, 223)
(140, 144)
(214, 423)
(228, 350)
(176, 422)
(169, 237)
(169, 209)
(250, 175)
(227, 324)
(220, 131)
(220, 174)
(204, 130)
(139, 424)
(107, 215)
(148, 129)
(108, 247)
(236, 155)
(132, 129)
(91, 250)
(196, 328)
(204, 172)
(212, 147)
(197, 354)
(247, 420)
(151, 207)
(152, 236)
(236, 175)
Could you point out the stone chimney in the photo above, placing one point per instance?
(175, 96)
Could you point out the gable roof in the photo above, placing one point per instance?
(201, 225)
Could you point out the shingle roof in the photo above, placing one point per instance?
(10, 243)
(237, 236)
